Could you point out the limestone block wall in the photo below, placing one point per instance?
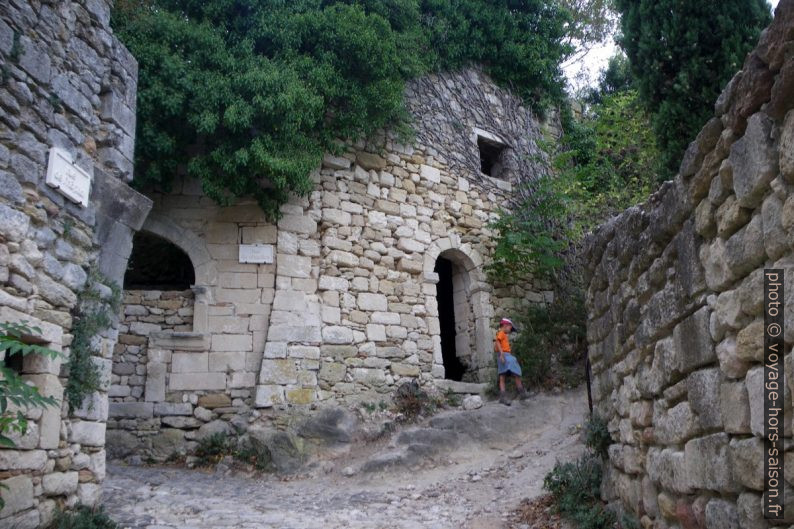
(65, 81)
(675, 322)
(145, 311)
(348, 308)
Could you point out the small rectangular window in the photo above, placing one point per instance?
(491, 154)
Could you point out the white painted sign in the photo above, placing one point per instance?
(256, 253)
(72, 181)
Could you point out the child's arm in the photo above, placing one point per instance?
(498, 345)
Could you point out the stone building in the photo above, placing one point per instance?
(228, 320)
(374, 279)
(676, 320)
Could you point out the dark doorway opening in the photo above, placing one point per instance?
(453, 368)
(156, 264)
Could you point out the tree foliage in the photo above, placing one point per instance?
(682, 53)
(246, 95)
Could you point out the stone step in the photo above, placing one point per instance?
(465, 388)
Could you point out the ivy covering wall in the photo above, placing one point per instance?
(247, 95)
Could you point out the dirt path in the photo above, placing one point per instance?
(473, 487)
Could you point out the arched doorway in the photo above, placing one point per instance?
(463, 311)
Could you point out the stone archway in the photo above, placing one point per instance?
(471, 303)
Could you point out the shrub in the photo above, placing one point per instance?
(254, 453)
(575, 487)
(552, 346)
(597, 436)
(213, 448)
(84, 518)
(411, 401)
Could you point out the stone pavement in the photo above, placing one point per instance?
(473, 486)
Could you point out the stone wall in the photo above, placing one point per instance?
(348, 309)
(145, 311)
(65, 81)
(675, 322)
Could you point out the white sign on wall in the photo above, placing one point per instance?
(72, 181)
(256, 253)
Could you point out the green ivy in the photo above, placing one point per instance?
(246, 95)
(92, 316)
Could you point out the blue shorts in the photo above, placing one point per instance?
(509, 366)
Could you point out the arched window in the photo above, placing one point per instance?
(156, 264)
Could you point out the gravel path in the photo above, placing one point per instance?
(473, 487)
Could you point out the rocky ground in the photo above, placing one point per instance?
(459, 469)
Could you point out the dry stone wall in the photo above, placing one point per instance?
(675, 294)
(347, 309)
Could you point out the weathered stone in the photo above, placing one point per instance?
(747, 462)
(59, 483)
(214, 428)
(337, 335)
(297, 224)
(372, 302)
(268, 396)
(693, 341)
(181, 422)
(330, 426)
(173, 408)
(17, 494)
(786, 148)
(756, 384)
(370, 161)
(88, 433)
(668, 468)
(214, 400)
(140, 410)
(735, 407)
(754, 161)
(703, 391)
(705, 463)
(721, 514)
(750, 511)
(676, 425)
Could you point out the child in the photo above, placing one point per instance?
(506, 362)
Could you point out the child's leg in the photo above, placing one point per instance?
(502, 395)
(522, 393)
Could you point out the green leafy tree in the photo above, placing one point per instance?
(682, 53)
(247, 95)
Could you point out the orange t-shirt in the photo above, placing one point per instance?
(501, 337)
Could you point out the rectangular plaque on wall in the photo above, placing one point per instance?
(72, 181)
(256, 253)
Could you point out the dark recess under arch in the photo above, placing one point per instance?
(157, 264)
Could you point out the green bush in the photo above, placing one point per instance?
(576, 489)
(84, 518)
(597, 436)
(552, 345)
